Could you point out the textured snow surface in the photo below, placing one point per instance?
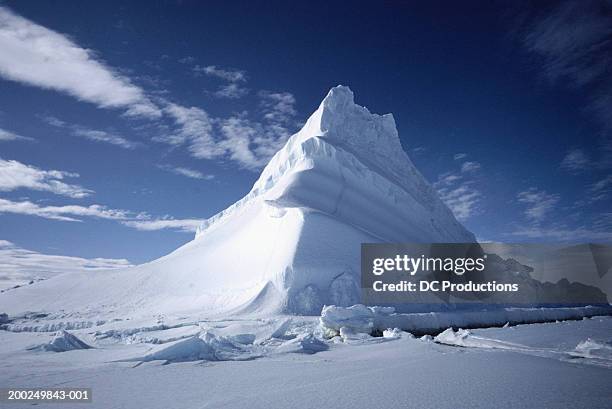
(292, 244)
(284, 362)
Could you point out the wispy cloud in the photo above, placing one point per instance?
(34, 55)
(231, 91)
(575, 160)
(470, 167)
(194, 128)
(185, 225)
(462, 200)
(562, 233)
(19, 266)
(41, 57)
(600, 189)
(279, 107)
(457, 190)
(252, 143)
(76, 213)
(539, 203)
(105, 137)
(229, 75)
(186, 60)
(574, 41)
(16, 175)
(190, 173)
(6, 136)
(93, 134)
(248, 142)
(68, 213)
(418, 150)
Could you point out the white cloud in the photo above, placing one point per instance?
(249, 143)
(462, 200)
(279, 107)
(418, 150)
(539, 202)
(575, 160)
(105, 137)
(67, 213)
(604, 222)
(459, 194)
(93, 134)
(231, 91)
(229, 75)
(194, 128)
(600, 189)
(185, 225)
(16, 175)
(34, 55)
(76, 213)
(186, 60)
(470, 167)
(458, 189)
(447, 179)
(37, 56)
(190, 173)
(6, 136)
(19, 266)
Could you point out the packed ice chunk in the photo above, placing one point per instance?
(452, 337)
(62, 341)
(597, 349)
(392, 333)
(355, 319)
(353, 335)
(304, 343)
(204, 346)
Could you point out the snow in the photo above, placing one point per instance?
(357, 318)
(593, 352)
(593, 349)
(204, 346)
(305, 343)
(537, 363)
(392, 333)
(63, 341)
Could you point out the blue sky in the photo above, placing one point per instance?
(123, 124)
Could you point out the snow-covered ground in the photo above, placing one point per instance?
(287, 362)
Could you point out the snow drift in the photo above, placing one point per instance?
(291, 244)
